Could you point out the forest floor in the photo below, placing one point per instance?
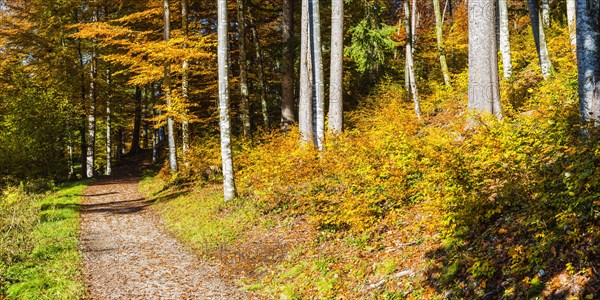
(127, 254)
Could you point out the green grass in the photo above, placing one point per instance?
(47, 263)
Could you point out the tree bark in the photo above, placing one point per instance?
(167, 84)
(319, 85)
(137, 123)
(305, 111)
(546, 13)
(226, 155)
(440, 41)
(571, 21)
(336, 83)
(262, 82)
(410, 70)
(185, 131)
(588, 58)
(243, 62)
(83, 124)
(108, 170)
(287, 66)
(91, 120)
(540, 38)
(484, 91)
(505, 38)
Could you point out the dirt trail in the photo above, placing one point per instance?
(126, 254)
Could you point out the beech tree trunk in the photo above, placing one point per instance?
(226, 155)
(588, 58)
(260, 72)
(185, 131)
(108, 170)
(91, 120)
(546, 13)
(305, 111)
(410, 70)
(336, 83)
(287, 66)
(137, 123)
(440, 41)
(167, 84)
(319, 84)
(243, 61)
(484, 91)
(83, 124)
(571, 21)
(505, 38)
(540, 38)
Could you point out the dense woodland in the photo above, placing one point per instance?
(410, 149)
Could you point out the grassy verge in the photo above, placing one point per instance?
(39, 243)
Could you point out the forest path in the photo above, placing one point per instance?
(127, 255)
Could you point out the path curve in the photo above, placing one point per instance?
(126, 255)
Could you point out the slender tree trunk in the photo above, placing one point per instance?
(440, 41)
(226, 155)
(588, 58)
(505, 38)
(145, 115)
(185, 131)
(70, 151)
(410, 70)
(484, 91)
(262, 83)
(137, 122)
(287, 66)
(91, 121)
(540, 38)
(319, 85)
(336, 83)
(108, 170)
(546, 13)
(83, 124)
(243, 61)
(305, 111)
(571, 21)
(167, 84)
(414, 24)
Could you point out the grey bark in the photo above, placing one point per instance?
(588, 58)
(287, 66)
(305, 110)
(410, 69)
(414, 25)
(336, 104)
(108, 170)
(226, 155)
(167, 86)
(83, 124)
(484, 92)
(91, 121)
(319, 84)
(546, 13)
(262, 82)
(505, 38)
(243, 62)
(440, 41)
(540, 38)
(137, 122)
(185, 131)
(571, 22)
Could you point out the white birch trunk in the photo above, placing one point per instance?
(571, 21)
(540, 38)
(319, 85)
(167, 87)
(546, 13)
(91, 122)
(226, 155)
(505, 38)
(305, 109)
(108, 170)
(336, 104)
(440, 41)
(588, 58)
(410, 70)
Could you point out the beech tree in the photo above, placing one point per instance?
(440, 41)
(504, 37)
(167, 91)
(336, 104)
(226, 155)
(484, 90)
(588, 58)
(539, 37)
(571, 12)
(410, 77)
(287, 65)
(243, 63)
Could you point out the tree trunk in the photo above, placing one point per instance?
(336, 88)
(83, 124)
(287, 66)
(319, 85)
(91, 120)
(505, 38)
(571, 21)
(539, 37)
(410, 70)
(440, 41)
(262, 83)
(588, 58)
(484, 91)
(546, 13)
(137, 123)
(305, 111)
(243, 61)
(167, 84)
(414, 24)
(226, 155)
(108, 170)
(185, 131)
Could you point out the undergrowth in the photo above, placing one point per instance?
(39, 257)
